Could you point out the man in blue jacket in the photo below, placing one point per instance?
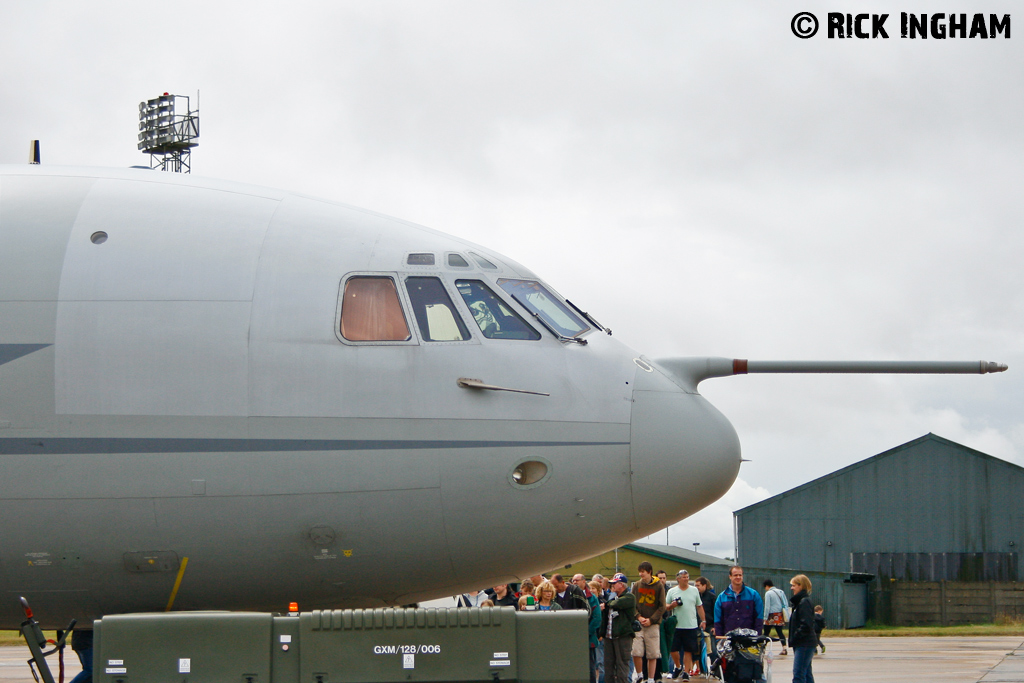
(738, 606)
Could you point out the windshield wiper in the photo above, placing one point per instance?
(558, 335)
(590, 318)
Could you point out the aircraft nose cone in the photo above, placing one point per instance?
(684, 453)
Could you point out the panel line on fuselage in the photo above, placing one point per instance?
(71, 445)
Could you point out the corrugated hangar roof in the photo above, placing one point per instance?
(673, 552)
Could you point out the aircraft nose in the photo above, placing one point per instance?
(684, 453)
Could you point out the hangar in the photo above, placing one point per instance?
(929, 511)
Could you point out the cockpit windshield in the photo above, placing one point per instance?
(495, 319)
(545, 305)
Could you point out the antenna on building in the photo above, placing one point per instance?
(33, 152)
(167, 135)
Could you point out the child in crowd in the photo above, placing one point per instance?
(526, 589)
(819, 626)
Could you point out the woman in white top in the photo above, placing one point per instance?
(774, 611)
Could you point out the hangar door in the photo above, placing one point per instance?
(855, 604)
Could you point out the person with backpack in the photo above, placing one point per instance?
(774, 611)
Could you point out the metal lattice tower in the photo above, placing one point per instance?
(169, 137)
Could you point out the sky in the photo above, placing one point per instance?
(696, 176)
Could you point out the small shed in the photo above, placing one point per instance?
(628, 557)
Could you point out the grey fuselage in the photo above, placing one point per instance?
(181, 390)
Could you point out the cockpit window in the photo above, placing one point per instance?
(435, 313)
(420, 259)
(371, 311)
(538, 300)
(496, 320)
(482, 262)
(457, 261)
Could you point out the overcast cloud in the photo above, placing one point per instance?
(693, 174)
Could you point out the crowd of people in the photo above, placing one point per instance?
(644, 631)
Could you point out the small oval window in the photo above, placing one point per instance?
(98, 237)
(529, 472)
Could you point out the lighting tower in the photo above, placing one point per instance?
(168, 137)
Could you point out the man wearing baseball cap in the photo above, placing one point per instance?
(617, 630)
(684, 602)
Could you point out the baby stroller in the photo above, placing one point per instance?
(709, 667)
(742, 656)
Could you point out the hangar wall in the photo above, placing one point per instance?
(930, 496)
(844, 596)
